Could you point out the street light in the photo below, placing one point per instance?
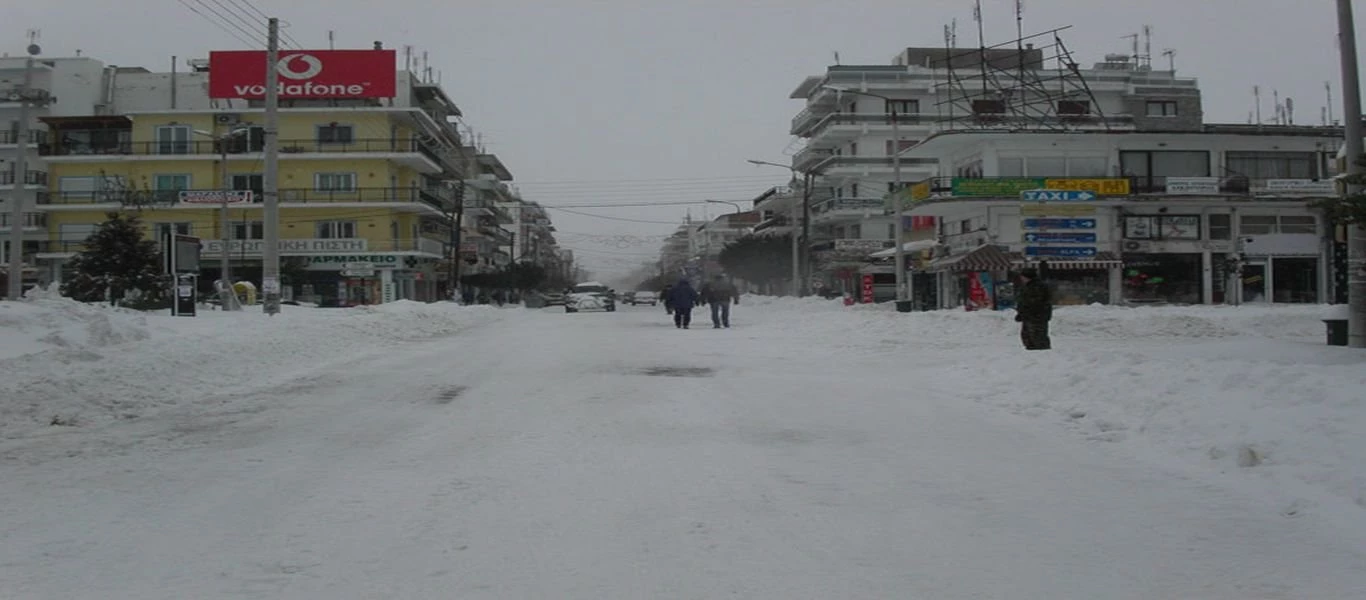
(226, 296)
(799, 281)
(902, 292)
(738, 210)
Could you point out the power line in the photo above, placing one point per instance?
(222, 19)
(249, 43)
(574, 212)
(610, 181)
(264, 17)
(257, 30)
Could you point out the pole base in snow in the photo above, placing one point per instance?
(905, 305)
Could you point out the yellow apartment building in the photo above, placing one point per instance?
(367, 193)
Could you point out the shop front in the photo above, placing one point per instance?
(1080, 282)
(363, 279)
(974, 279)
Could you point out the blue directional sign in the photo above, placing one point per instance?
(1057, 196)
(1061, 251)
(1059, 223)
(1060, 238)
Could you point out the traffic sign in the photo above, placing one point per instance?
(1061, 251)
(1059, 223)
(1057, 196)
(1060, 238)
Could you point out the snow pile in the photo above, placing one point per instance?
(1250, 390)
(68, 363)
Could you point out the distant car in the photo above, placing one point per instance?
(590, 295)
(554, 299)
(644, 297)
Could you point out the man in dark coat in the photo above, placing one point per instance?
(1033, 310)
(665, 297)
(682, 298)
(720, 293)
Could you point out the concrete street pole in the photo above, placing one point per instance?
(270, 254)
(1351, 117)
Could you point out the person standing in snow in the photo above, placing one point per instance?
(682, 298)
(720, 293)
(1033, 310)
(666, 298)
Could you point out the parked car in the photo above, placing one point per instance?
(590, 295)
(644, 297)
(554, 298)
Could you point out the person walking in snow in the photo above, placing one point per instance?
(666, 298)
(1033, 310)
(682, 298)
(720, 293)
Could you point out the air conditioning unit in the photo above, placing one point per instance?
(227, 118)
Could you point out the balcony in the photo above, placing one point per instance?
(421, 245)
(307, 196)
(30, 177)
(11, 138)
(846, 209)
(809, 158)
(78, 149)
(32, 221)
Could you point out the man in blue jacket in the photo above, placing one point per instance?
(682, 298)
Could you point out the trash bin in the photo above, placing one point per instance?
(1337, 331)
(905, 305)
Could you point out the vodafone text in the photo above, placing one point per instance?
(303, 89)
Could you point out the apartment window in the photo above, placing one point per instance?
(1220, 226)
(335, 229)
(1047, 166)
(903, 107)
(172, 183)
(1161, 108)
(1074, 108)
(88, 187)
(161, 230)
(988, 107)
(252, 139)
(173, 139)
(253, 182)
(336, 134)
(250, 230)
(1298, 224)
(334, 182)
(905, 145)
(1162, 227)
(855, 232)
(853, 190)
(853, 149)
(1272, 165)
(1257, 224)
(891, 231)
(1010, 166)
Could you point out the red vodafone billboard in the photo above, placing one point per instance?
(304, 74)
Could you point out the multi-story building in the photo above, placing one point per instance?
(367, 184)
(78, 83)
(847, 120)
(1221, 214)
(779, 211)
(535, 239)
(486, 244)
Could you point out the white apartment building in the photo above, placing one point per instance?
(847, 124)
(75, 86)
(1218, 215)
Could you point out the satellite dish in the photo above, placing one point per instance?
(34, 49)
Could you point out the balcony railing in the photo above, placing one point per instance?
(31, 220)
(212, 147)
(12, 137)
(30, 177)
(1152, 185)
(400, 195)
(849, 205)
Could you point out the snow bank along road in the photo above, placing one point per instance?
(544, 455)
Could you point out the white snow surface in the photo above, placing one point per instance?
(812, 451)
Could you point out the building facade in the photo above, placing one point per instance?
(1223, 215)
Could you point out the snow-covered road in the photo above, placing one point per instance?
(544, 455)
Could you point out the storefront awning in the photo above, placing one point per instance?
(981, 258)
(1102, 260)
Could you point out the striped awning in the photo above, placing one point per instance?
(981, 258)
(1102, 260)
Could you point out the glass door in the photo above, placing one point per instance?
(1254, 282)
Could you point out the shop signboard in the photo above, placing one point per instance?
(1179, 186)
(1116, 186)
(345, 262)
(1057, 196)
(867, 289)
(1059, 223)
(1032, 209)
(1061, 251)
(995, 187)
(1037, 237)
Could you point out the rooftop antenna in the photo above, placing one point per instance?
(1289, 111)
(1019, 24)
(1257, 101)
(426, 70)
(1171, 59)
(408, 58)
(331, 40)
(1276, 104)
(837, 57)
(1328, 87)
(953, 33)
(1147, 47)
(981, 42)
(1133, 37)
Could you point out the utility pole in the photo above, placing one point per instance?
(17, 198)
(1351, 114)
(796, 246)
(810, 180)
(270, 255)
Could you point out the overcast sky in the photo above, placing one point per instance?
(613, 101)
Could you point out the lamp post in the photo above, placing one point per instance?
(799, 281)
(226, 295)
(902, 290)
(738, 210)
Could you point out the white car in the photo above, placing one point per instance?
(651, 298)
(590, 295)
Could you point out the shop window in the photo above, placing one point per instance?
(1220, 227)
(1074, 287)
(1163, 278)
(1295, 280)
(1162, 227)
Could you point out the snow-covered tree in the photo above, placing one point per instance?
(118, 264)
